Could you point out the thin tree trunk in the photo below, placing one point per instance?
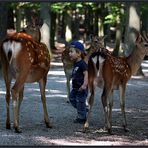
(45, 29)
(3, 22)
(3, 19)
(53, 28)
(132, 28)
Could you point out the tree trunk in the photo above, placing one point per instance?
(3, 22)
(10, 18)
(53, 29)
(63, 25)
(3, 19)
(18, 19)
(118, 40)
(68, 33)
(46, 27)
(88, 21)
(75, 25)
(96, 15)
(132, 28)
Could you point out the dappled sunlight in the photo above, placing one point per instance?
(31, 89)
(61, 81)
(73, 142)
(144, 64)
(56, 64)
(116, 110)
(137, 84)
(55, 91)
(57, 73)
(100, 141)
(56, 95)
(3, 92)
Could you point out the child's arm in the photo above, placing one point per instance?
(85, 83)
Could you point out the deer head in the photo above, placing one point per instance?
(34, 31)
(97, 43)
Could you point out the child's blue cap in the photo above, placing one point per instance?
(78, 45)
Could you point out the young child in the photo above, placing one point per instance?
(79, 90)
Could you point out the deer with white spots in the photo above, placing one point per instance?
(27, 61)
(114, 73)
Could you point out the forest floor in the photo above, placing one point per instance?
(61, 113)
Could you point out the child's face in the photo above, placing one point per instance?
(74, 55)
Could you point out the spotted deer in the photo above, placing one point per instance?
(67, 65)
(33, 28)
(115, 73)
(27, 61)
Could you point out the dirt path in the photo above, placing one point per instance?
(64, 131)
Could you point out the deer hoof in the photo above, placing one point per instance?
(67, 101)
(17, 130)
(125, 129)
(85, 130)
(8, 126)
(110, 131)
(48, 125)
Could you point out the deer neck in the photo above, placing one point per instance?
(135, 59)
(86, 59)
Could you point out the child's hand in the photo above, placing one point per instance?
(83, 87)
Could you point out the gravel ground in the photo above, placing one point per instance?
(64, 131)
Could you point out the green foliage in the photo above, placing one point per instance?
(144, 6)
(25, 5)
(115, 12)
(60, 7)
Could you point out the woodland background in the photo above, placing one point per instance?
(65, 21)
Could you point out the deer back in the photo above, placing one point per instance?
(23, 53)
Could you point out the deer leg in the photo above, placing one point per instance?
(110, 106)
(68, 89)
(16, 91)
(42, 84)
(67, 73)
(15, 98)
(104, 97)
(7, 97)
(21, 93)
(122, 105)
(8, 82)
(90, 102)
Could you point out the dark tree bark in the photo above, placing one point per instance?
(45, 15)
(10, 18)
(132, 28)
(63, 25)
(53, 28)
(96, 16)
(3, 19)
